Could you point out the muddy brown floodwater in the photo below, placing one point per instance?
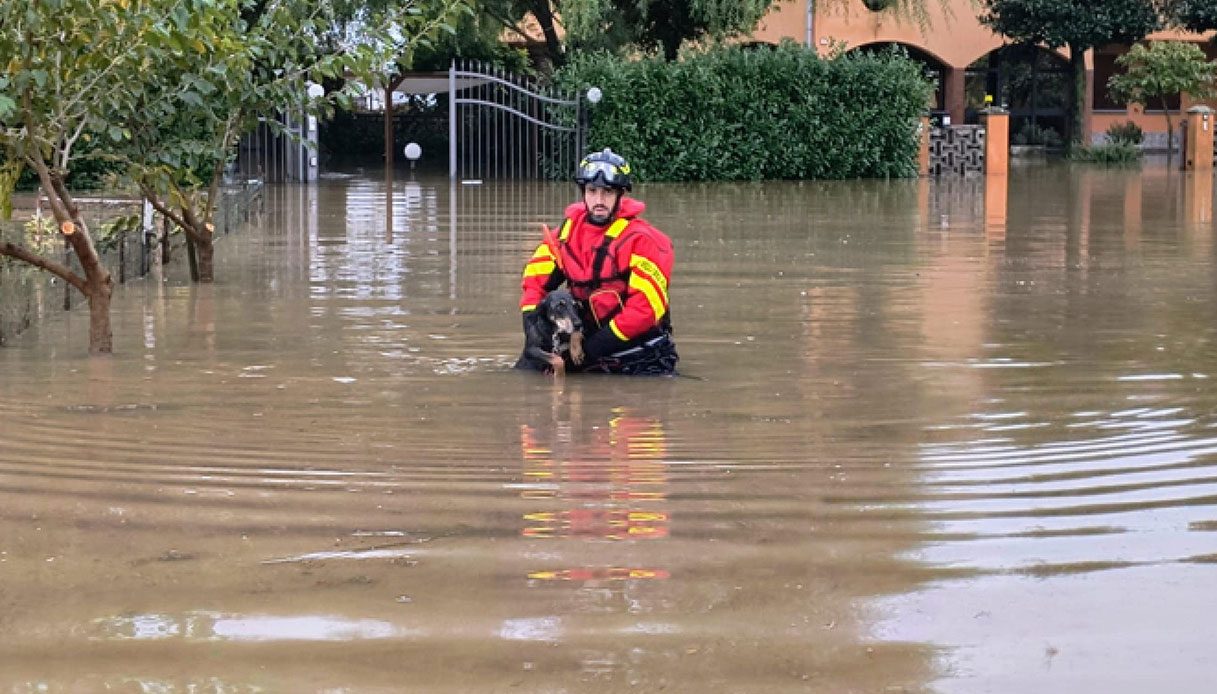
(948, 437)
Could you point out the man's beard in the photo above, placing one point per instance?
(599, 219)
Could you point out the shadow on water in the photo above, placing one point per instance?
(942, 430)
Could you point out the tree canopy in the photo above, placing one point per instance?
(1193, 15)
(1081, 24)
(1078, 25)
(1161, 70)
(662, 24)
(168, 86)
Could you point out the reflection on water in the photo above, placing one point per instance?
(218, 627)
(604, 484)
(951, 435)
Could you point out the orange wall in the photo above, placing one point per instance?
(953, 35)
(957, 40)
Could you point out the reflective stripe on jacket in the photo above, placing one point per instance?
(625, 288)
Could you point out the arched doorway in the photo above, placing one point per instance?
(1028, 81)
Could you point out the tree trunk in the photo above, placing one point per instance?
(101, 336)
(192, 258)
(98, 284)
(205, 247)
(1170, 129)
(1077, 61)
(671, 47)
(545, 17)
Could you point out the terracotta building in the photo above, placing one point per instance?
(968, 62)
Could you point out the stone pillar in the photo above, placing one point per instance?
(1198, 199)
(996, 207)
(923, 154)
(953, 95)
(997, 141)
(1133, 213)
(1198, 149)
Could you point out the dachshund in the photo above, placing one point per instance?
(553, 335)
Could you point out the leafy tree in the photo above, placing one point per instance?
(663, 24)
(915, 10)
(478, 36)
(192, 106)
(67, 63)
(1193, 15)
(1161, 70)
(168, 86)
(1078, 25)
(511, 13)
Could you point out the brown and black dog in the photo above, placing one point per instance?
(553, 335)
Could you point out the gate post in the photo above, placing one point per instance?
(997, 141)
(452, 120)
(1198, 149)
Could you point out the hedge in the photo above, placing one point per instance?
(747, 113)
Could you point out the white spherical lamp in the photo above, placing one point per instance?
(594, 95)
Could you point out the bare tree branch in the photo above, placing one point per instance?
(61, 271)
(160, 206)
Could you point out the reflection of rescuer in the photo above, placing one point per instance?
(617, 267)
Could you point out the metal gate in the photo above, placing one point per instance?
(501, 126)
(271, 154)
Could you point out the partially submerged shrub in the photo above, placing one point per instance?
(1111, 153)
(1128, 133)
(1034, 134)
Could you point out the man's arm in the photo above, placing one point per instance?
(541, 276)
(646, 303)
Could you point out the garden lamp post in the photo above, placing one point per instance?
(593, 96)
(412, 151)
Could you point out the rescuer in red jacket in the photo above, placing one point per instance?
(618, 268)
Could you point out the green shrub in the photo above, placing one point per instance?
(734, 113)
(1034, 134)
(1127, 132)
(1112, 153)
(88, 172)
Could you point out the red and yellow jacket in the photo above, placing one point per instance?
(620, 271)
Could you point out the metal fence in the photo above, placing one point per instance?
(282, 148)
(957, 150)
(128, 237)
(504, 126)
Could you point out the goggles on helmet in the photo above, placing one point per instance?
(610, 174)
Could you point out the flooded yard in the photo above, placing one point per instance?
(930, 436)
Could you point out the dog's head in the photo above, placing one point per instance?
(562, 311)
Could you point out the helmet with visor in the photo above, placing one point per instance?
(605, 169)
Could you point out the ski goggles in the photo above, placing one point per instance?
(610, 174)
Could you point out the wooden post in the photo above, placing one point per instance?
(1198, 149)
(997, 141)
(389, 143)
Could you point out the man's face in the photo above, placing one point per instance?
(600, 203)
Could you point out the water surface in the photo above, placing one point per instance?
(941, 436)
